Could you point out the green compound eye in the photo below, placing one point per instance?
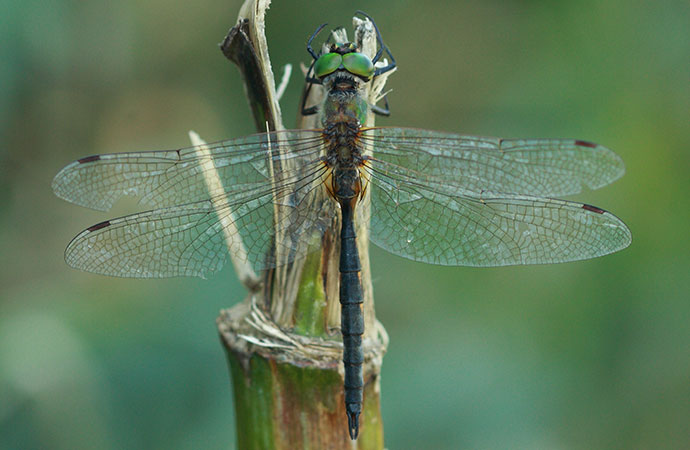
(358, 64)
(327, 64)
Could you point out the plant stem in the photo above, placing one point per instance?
(283, 343)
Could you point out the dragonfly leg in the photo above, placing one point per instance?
(310, 82)
(381, 111)
(308, 111)
(382, 48)
(311, 39)
(310, 75)
(389, 67)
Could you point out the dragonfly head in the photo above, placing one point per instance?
(344, 58)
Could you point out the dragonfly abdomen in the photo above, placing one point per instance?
(352, 318)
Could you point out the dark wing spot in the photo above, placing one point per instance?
(89, 159)
(585, 144)
(592, 208)
(98, 226)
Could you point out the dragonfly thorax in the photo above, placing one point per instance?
(344, 101)
(343, 144)
(343, 152)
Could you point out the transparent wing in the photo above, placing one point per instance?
(270, 185)
(459, 200)
(432, 201)
(175, 177)
(192, 239)
(493, 229)
(540, 167)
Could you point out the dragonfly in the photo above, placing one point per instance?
(435, 197)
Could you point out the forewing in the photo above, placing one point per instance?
(175, 177)
(538, 167)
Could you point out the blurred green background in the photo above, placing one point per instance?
(594, 354)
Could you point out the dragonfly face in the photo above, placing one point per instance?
(436, 197)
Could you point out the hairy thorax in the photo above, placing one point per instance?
(343, 112)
